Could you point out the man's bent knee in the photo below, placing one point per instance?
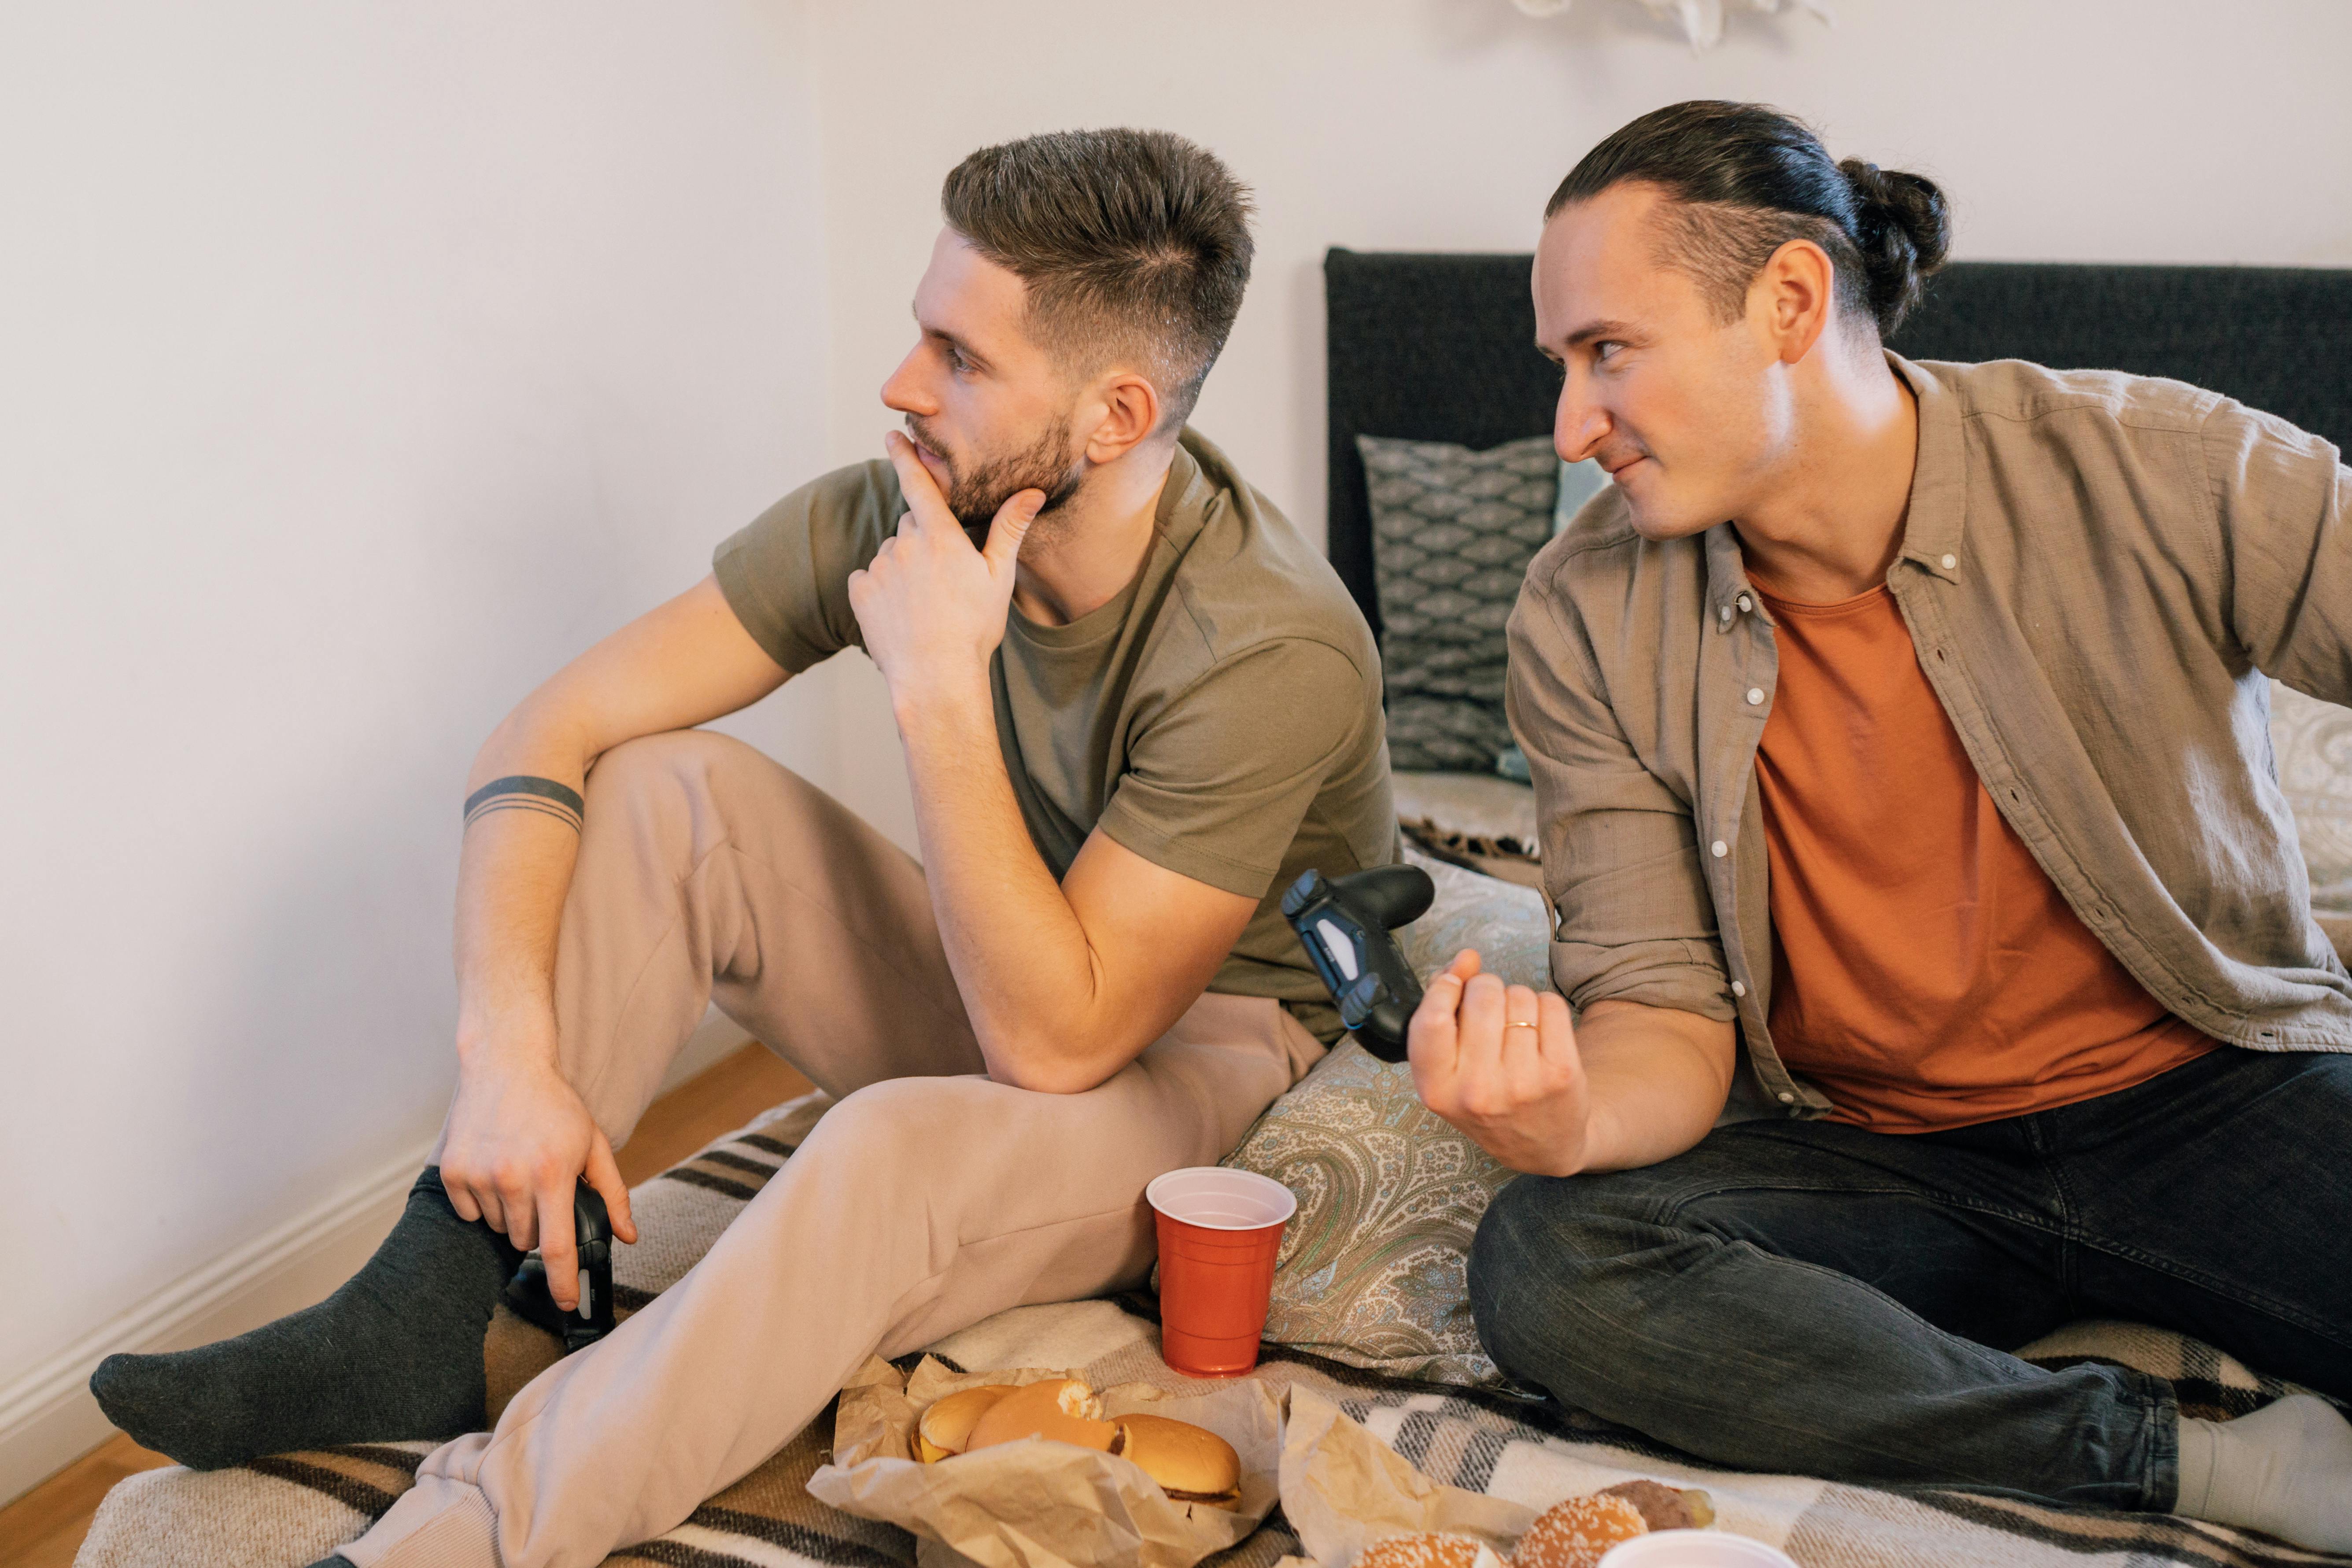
(929, 1123)
(674, 762)
(1542, 1267)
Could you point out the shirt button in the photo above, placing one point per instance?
(1724, 618)
(1746, 604)
(1787, 1099)
(1950, 561)
(1718, 849)
(1739, 988)
(1755, 695)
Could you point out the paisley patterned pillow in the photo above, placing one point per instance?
(1371, 1270)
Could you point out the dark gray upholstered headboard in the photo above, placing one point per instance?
(1441, 348)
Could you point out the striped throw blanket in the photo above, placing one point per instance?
(289, 1510)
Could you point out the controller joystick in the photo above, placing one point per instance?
(1345, 927)
(526, 1293)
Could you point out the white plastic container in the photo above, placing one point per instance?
(1695, 1549)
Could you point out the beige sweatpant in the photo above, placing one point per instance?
(929, 1198)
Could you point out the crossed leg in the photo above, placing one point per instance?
(1814, 1297)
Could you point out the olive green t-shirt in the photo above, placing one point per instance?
(1220, 717)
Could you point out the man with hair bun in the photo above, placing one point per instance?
(1939, 946)
(1136, 703)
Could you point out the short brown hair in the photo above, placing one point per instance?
(1129, 241)
(1744, 179)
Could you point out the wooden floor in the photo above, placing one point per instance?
(44, 1527)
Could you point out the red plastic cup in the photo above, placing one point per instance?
(1218, 1232)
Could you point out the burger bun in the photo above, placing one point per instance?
(1191, 1464)
(1060, 1410)
(945, 1430)
(1428, 1551)
(1578, 1533)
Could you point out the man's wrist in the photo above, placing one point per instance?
(522, 1037)
(1593, 1145)
(952, 702)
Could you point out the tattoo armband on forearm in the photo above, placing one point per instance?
(521, 792)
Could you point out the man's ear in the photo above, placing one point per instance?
(1793, 298)
(1130, 413)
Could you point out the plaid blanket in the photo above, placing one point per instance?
(289, 1510)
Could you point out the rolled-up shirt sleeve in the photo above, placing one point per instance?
(2282, 499)
(1634, 919)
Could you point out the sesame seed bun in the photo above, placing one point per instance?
(1191, 1464)
(946, 1427)
(1424, 1551)
(1574, 1533)
(1061, 1410)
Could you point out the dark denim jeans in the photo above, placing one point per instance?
(1812, 1297)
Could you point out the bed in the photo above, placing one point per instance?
(1435, 349)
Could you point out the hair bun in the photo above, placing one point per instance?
(1903, 228)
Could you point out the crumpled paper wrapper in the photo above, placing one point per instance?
(1343, 1489)
(1034, 1504)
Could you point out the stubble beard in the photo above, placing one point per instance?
(976, 495)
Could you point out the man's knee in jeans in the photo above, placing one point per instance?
(1551, 1302)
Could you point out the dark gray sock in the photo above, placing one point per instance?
(396, 1352)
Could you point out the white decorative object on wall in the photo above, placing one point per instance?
(1702, 20)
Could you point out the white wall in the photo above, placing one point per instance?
(357, 365)
(2093, 130)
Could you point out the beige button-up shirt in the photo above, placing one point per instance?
(2097, 570)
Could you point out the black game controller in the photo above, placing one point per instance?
(526, 1293)
(1345, 926)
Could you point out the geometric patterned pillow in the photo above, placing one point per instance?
(1453, 532)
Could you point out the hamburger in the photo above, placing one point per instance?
(1059, 1409)
(945, 1430)
(1190, 1463)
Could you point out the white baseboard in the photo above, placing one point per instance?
(48, 1418)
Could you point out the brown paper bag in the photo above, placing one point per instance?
(1343, 1489)
(1034, 1504)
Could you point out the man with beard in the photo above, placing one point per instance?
(1136, 703)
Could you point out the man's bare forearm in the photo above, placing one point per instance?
(1658, 1079)
(1022, 960)
(522, 838)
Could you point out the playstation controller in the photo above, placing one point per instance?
(528, 1292)
(1345, 924)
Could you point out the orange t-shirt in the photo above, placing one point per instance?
(1925, 973)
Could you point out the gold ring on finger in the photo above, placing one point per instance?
(1518, 1024)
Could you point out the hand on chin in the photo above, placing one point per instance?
(931, 606)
